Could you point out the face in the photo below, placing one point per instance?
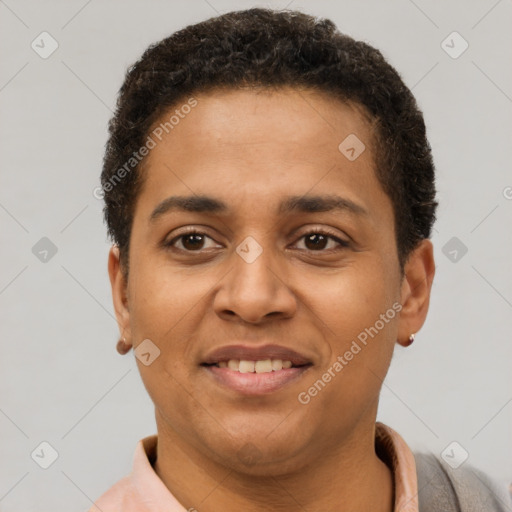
(277, 249)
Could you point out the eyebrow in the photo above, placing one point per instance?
(292, 204)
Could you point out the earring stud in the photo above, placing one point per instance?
(410, 340)
(123, 347)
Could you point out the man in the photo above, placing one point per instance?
(270, 191)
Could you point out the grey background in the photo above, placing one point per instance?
(61, 379)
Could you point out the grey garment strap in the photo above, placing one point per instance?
(465, 489)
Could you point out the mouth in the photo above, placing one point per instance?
(255, 371)
(258, 366)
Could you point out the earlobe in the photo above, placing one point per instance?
(120, 299)
(415, 291)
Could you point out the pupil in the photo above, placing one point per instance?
(196, 239)
(317, 240)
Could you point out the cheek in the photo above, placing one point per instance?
(359, 307)
(352, 298)
(164, 308)
(348, 384)
(161, 299)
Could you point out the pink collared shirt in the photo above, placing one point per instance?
(143, 491)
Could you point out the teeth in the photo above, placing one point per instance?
(277, 364)
(263, 366)
(246, 366)
(233, 364)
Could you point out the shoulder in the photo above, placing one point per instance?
(458, 489)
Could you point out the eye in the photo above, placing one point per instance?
(193, 241)
(318, 240)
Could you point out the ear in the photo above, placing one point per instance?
(119, 293)
(416, 285)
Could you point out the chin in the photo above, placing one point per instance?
(260, 452)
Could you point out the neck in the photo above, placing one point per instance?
(350, 477)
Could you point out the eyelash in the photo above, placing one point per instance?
(343, 244)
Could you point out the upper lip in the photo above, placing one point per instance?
(254, 353)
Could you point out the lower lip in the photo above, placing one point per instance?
(255, 383)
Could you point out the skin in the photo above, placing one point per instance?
(251, 149)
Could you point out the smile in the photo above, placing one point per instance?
(261, 366)
(255, 370)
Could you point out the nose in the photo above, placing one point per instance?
(255, 290)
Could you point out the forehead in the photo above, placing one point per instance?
(243, 143)
(268, 116)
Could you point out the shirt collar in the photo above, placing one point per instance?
(397, 455)
(151, 491)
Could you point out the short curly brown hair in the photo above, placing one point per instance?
(269, 48)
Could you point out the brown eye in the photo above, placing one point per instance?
(192, 241)
(316, 241)
(319, 240)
